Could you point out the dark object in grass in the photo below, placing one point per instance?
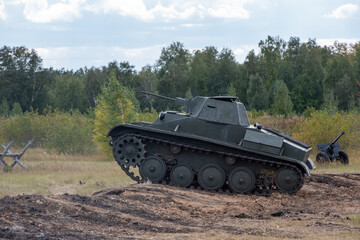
(330, 152)
(278, 214)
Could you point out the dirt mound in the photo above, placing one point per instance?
(323, 208)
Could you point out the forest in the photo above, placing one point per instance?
(285, 78)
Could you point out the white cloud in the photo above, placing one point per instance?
(81, 56)
(3, 14)
(228, 9)
(344, 11)
(175, 10)
(41, 12)
(242, 51)
(133, 8)
(45, 11)
(190, 25)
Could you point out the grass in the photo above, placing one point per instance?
(337, 167)
(57, 174)
(354, 219)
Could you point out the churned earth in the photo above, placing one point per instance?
(327, 207)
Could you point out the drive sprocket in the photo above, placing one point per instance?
(128, 151)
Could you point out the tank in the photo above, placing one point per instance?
(211, 146)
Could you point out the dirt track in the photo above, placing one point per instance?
(321, 209)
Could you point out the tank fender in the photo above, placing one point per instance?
(310, 164)
(304, 168)
(113, 130)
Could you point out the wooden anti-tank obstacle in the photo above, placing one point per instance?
(16, 156)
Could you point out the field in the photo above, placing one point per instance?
(88, 197)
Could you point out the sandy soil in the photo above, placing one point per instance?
(322, 209)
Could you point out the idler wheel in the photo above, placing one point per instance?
(153, 168)
(289, 180)
(241, 180)
(128, 151)
(182, 175)
(211, 177)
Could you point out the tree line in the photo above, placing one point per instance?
(285, 77)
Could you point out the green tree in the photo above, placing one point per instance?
(173, 73)
(281, 104)
(330, 104)
(306, 93)
(116, 104)
(124, 72)
(344, 93)
(225, 72)
(70, 93)
(147, 81)
(16, 109)
(231, 90)
(356, 70)
(93, 80)
(257, 95)
(188, 94)
(4, 108)
(22, 78)
(202, 69)
(271, 54)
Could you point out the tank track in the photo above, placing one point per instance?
(259, 190)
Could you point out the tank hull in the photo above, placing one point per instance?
(191, 160)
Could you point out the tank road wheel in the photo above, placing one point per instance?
(241, 180)
(289, 180)
(182, 175)
(344, 158)
(211, 177)
(175, 149)
(128, 151)
(153, 168)
(322, 157)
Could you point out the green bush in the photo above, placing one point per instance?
(70, 133)
(322, 127)
(67, 133)
(315, 127)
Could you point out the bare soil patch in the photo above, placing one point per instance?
(321, 209)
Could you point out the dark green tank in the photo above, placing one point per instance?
(214, 147)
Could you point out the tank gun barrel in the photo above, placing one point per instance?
(160, 96)
(337, 138)
(178, 100)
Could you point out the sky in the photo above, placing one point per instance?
(72, 34)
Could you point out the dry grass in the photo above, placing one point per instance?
(337, 167)
(56, 174)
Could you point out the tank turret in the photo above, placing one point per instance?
(212, 145)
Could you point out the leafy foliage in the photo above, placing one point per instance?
(116, 104)
(321, 127)
(282, 104)
(67, 133)
(16, 109)
(257, 94)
